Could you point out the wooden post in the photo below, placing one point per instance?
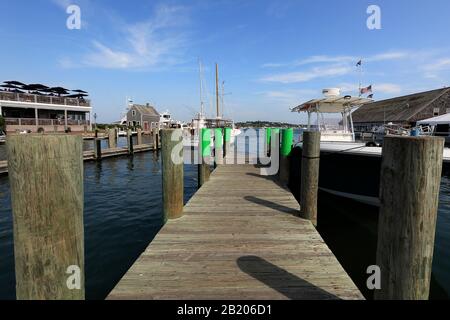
(268, 138)
(130, 141)
(155, 138)
(411, 170)
(112, 138)
(226, 141)
(139, 136)
(96, 133)
(204, 148)
(172, 173)
(310, 175)
(46, 178)
(287, 137)
(98, 149)
(218, 149)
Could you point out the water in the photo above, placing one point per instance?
(123, 214)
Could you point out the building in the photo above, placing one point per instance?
(145, 117)
(44, 113)
(404, 111)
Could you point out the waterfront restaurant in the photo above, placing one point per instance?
(44, 109)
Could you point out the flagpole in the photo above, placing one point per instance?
(360, 77)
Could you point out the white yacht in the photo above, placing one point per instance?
(348, 168)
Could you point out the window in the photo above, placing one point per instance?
(133, 112)
(435, 112)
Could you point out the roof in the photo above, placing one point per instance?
(442, 119)
(333, 104)
(400, 109)
(145, 110)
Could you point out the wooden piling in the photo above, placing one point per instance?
(46, 178)
(155, 138)
(310, 175)
(98, 149)
(226, 141)
(204, 170)
(112, 138)
(130, 142)
(139, 136)
(268, 141)
(218, 147)
(409, 194)
(172, 173)
(287, 137)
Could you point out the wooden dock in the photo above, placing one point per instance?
(90, 154)
(240, 238)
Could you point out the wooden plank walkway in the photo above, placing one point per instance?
(90, 155)
(239, 239)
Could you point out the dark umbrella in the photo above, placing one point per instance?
(9, 86)
(59, 90)
(38, 86)
(79, 91)
(78, 95)
(17, 91)
(17, 83)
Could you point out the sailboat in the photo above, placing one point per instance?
(202, 121)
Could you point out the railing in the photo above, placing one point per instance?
(34, 98)
(44, 122)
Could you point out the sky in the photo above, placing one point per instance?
(272, 55)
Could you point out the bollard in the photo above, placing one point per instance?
(112, 138)
(130, 142)
(411, 170)
(204, 170)
(172, 173)
(226, 142)
(46, 178)
(98, 149)
(218, 149)
(287, 137)
(139, 136)
(310, 175)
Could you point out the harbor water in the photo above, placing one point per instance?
(123, 213)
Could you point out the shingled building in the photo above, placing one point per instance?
(404, 111)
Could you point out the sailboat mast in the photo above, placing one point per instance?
(217, 90)
(202, 111)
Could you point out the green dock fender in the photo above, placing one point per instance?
(206, 142)
(268, 135)
(227, 134)
(287, 136)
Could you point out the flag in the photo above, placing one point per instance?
(366, 90)
(359, 63)
(370, 96)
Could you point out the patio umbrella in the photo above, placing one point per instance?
(38, 86)
(17, 91)
(78, 95)
(79, 91)
(16, 83)
(59, 90)
(9, 86)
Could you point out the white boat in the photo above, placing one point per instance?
(348, 168)
(2, 137)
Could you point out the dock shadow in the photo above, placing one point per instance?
(272, 205)
(284, 282)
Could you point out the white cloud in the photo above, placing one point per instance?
(157, 42)
(432, 70)
(393, 55)
(325, 59)
(387, 88)
(314, 73)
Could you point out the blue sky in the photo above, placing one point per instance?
(272, 54)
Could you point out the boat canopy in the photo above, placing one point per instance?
(335, 104)
(442, 119)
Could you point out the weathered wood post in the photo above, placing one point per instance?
(96, 133)
(287, 137)
(218, 149)
(411, 170)
(130, 141)
(226, 141)
(310, 175)
(268, 139)
(204, 148)
(155, 138)
(46, 177)
(112, 138)
(139, 136)
(98, 149)
(172, 172)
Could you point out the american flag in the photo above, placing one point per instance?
(366, 90)
(359, 63)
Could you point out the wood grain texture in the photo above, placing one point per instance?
(409, 194)
(130, 142)
(309, 185)
(46, 177)
(112, 138)
(172, 176)
(139, 136)
(98, 149)
(242, 243)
